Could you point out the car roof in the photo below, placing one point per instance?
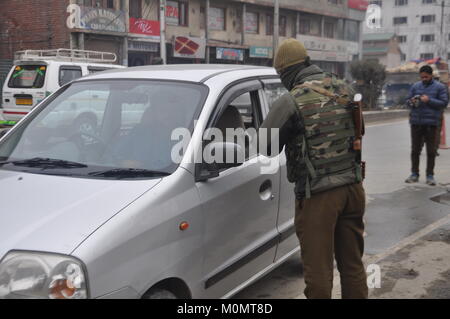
(198, 73)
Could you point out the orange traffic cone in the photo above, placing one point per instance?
(443, 144)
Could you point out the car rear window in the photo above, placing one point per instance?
(28, 76)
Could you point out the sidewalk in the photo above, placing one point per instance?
(420, 270)
(417, 267)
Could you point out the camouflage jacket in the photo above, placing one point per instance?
(317, 132)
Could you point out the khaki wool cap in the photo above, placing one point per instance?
(290, 52)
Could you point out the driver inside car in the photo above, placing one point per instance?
(148, 145)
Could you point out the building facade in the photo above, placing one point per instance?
(383, 48)
(232, 31)
(422, 27)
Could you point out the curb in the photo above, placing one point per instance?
(377, 116)
(386, 115)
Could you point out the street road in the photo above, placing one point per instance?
(407, 226)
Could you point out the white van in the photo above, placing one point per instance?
(38, 73)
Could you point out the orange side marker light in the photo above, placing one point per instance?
(184, 226)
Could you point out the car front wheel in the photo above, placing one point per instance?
(159, 294)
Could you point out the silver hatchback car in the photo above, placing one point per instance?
(93, 204)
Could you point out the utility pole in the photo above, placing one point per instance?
(207, 31)
(276, 25)
(162, 17)
(442, 49)
(125, 6)
(360, 39)
(243, 21)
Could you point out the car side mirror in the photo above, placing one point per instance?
(218, 156)
(204, 172)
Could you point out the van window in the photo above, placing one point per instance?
(68, 74)
(28, 76)
(89, 104)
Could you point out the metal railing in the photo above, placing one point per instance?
(66, 55)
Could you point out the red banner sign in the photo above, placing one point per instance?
(185, 45)
(145, 27)
(172, 12)
(189, 47)
(358, 4)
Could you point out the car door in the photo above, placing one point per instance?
(273, 89)
(240, 205)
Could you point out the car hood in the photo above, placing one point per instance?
(55, 214)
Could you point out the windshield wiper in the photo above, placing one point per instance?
(45, 163)
(129, 172)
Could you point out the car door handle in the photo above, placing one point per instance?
(265, 190)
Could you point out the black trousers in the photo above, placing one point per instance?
(438, 131)
(421, 134)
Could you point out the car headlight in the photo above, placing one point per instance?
(41, 275)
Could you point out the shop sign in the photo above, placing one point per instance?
(216, 19)
(358, 4)
(96, 19)
(261, 52)
(143, 46)
(229, 54)
(329, 56)
(324, 49)
(251, 22)
(148, 28)
(189, 47)
(172, 13)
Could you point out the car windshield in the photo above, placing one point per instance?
(105, 129)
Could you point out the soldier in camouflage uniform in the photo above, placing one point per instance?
(317, 128)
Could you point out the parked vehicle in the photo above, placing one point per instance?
(399, 80)
(38, 73)
(109, 213)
